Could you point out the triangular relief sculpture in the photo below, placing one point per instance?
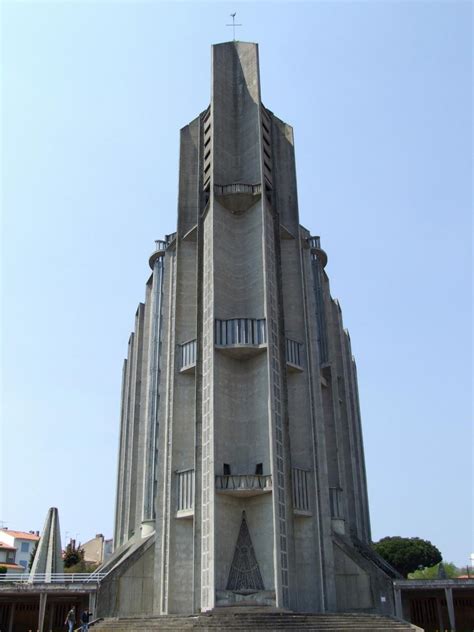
(244, 576)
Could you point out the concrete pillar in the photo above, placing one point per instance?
(11, 617)
(398, 603)
(440, 614)
(51, 617)
(42, 610)
(449, 600)
(92, 604)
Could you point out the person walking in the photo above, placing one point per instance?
(71, 619)
(85, 616)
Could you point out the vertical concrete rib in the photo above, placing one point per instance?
(166, 517)
(201, 203)
(154, 354)
(118, 530)
(362, 470)
(135, 474)
(326, 600)
(125, 532)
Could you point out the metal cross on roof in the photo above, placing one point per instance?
(233, 25)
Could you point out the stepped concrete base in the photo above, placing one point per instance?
(231, 598)
(254, 618)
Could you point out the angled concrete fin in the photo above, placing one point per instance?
(48, 558)
(244, 576)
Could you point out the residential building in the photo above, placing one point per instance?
(23, 542)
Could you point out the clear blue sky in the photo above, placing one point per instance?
(93, 96)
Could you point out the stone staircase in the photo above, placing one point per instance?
(253, 621)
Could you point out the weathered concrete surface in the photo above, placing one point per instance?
(251, 619)
(273, 392)
(48, 557)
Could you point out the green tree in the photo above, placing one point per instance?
(73, 554)
(433, 572)
(32, 555)
(3, 570)
(407, 554)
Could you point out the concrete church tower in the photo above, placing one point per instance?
(241, 467)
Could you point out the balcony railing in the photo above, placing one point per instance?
(294, 354)
(317, 253)
(244, 484)
(185, 484)
(228, 189)
(51, 578)
(241, 331)
(160, 245)
(188, 355)
(300, 490)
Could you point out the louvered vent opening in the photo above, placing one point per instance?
(267, 155)
(207, 151)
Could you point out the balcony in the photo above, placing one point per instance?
(237, 197)
(337, 510)
(294, 355)
(241, 338)
(301, 506)
(185, 493)
(160, 248)
(187, 356)
(244, 484)
(316, 251)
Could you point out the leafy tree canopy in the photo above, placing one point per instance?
(33, 555)
(73, 554)
(408, 554)
(3, 570)
(448, 570)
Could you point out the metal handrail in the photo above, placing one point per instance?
(293, 352)
(51, 578)
(237, 187)
(188, 354)
(160, 245)
(243, 482)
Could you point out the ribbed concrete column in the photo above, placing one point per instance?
(149, 487)
(118, 530)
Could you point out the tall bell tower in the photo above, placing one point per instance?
(241, 469)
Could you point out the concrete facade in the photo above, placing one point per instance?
(241, 474)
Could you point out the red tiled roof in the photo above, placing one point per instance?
(21, 535)
(11, 565)
(7, 546)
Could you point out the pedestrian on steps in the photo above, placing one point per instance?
(70, 619)
(85, 616)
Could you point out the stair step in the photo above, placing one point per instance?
(252, 620)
